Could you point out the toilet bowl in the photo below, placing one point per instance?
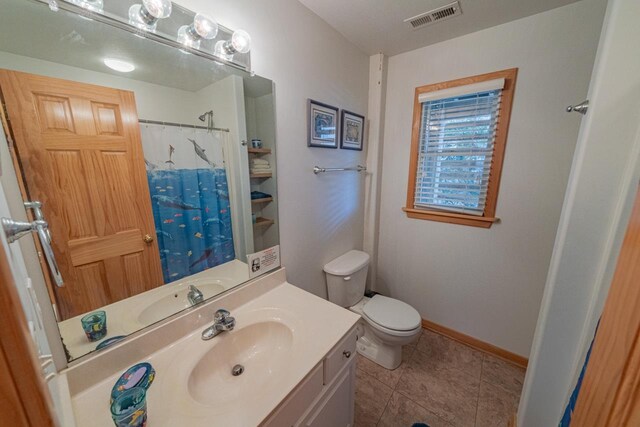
(386, 324)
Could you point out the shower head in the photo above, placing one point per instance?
(202, 117)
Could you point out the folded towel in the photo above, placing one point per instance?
(259, 195)
(259, 161)
(260, 166)
(260, 171)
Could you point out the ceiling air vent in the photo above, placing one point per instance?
(435, 15)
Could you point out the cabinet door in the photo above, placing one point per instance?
(336, 409)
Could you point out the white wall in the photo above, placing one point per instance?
(600, 195)
(321, 217)
(488, 283)
(154, 102)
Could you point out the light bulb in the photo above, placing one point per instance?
(146, 15)
(159, 9)
(221, 52)
(205, 27)
(92, 5)
(241, 41)
(186, 39)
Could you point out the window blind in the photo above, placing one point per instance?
(458, 91)
(457, 138)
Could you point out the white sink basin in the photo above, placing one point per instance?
(263, 349)
(176, 301)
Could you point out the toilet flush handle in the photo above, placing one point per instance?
(346, 279)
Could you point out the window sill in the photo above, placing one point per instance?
(451, 218)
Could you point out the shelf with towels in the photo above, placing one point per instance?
(262, 200)
(260, 175)
(259, 150)
(263, 222)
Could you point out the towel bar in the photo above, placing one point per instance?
(318, 169)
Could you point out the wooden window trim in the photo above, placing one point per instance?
(488, 217)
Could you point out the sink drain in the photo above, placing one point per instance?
(237, 370)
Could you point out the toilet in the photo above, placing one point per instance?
(386, 325)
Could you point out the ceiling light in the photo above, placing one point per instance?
(240, 43)
(119, 65)
(146, 15)
(202, 27)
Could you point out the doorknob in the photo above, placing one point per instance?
(16, 229)
(36, 206)
(580, 108)
(148, 238)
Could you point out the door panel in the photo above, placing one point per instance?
(80, 153)
(610, 393)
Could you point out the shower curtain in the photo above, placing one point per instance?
(190, 198)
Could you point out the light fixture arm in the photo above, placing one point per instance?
(147, 17)
(228, 48)
(192, 33)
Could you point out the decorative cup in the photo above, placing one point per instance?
(256, 143)
(129, 409)
(95, 325)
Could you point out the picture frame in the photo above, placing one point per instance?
(322, 125)
(351, 131)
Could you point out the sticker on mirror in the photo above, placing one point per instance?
(263, 261)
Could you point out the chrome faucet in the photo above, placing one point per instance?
(195, 295)
(222, 321)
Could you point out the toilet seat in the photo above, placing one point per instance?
(390, 332)
(391, 316)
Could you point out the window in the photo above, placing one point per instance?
(459, 136)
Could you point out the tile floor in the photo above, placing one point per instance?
(440, 382)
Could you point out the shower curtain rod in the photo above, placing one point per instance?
(181, 125)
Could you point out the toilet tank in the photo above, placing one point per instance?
(346, 278)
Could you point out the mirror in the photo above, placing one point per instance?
(154, 167)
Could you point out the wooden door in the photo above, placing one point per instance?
(610, 392)
(79, 150)
(24, 398)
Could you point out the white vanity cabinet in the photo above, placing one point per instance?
(325, 398)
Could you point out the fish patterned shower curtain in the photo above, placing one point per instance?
(190, 198)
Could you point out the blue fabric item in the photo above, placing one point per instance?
(420, 425)
(259, 195)
(573, 399)
(192, 215)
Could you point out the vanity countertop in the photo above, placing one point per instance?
(280, 336)
(127, 316)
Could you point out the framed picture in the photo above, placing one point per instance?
(352, 131)
(323, 125)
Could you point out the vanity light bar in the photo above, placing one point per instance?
(145, 17)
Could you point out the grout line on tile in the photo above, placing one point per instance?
(385, 408)
(475, 419)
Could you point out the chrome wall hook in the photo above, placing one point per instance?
(579, 108)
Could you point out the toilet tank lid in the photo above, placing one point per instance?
(348, 263)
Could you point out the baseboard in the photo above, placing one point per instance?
(476, 343)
